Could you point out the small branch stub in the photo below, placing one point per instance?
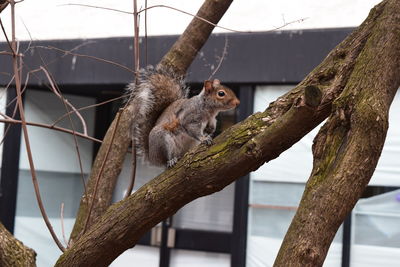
(312, 96)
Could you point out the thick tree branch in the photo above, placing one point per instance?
(237, 151)
(348, 146)
(178, 60)
(13, 252)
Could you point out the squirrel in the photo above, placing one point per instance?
(168, 123)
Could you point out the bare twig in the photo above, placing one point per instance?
(102, 170)
(60, 129)
(87, 56)
(56, 59)
(3, 5)
(5, 35)
(187, 13)
(137, 62)
(136, 38)
(145, 33)
(62, 224)
(25, 132)
(224, 53)
(133, 170)
(87, 107)
(99, 7)
(66, 103)
(7, 128)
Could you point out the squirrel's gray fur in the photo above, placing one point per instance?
(151, 99)
(167, 123)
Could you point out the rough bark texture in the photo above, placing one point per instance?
(178, 60)
(237, 151)
(13, 253)
(348, 146)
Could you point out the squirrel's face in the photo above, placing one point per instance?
(227, 97)
(222, 97)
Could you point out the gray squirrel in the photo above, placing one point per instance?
(168, 123)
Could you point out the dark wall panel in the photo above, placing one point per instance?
(274, 57)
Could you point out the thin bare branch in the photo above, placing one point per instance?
(25, 132)
(136, 38)
(14, 111)
(62, 224)
(99, 7)
(5, 35)
(86, 56)
(56, 128)
(224, 53)
(102, 169)
(87, 107)
(133, 171)
(145, 33)
(137, 62)
(187, 13)
(65, 101)
(3, 5)
(67, 104)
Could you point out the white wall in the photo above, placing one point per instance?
(52, 19)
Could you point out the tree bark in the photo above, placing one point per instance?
(237, 151)
(13, 252)
(105, 171)
(347, 148)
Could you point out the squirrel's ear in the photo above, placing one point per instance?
(208, 86)
(216, 83)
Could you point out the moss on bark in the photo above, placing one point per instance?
(348, 146)
(13, 252)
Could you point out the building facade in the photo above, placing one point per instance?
(244, 224)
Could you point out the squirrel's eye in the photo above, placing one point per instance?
(221, 93)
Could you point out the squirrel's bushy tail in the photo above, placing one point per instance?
(155, 90)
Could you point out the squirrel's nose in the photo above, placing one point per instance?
(236, 102)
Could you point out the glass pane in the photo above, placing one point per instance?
(138, 256)
(376, 234)
(377, 220)
(272, 208)
(184, 258)
(58, 172)
(214, 212)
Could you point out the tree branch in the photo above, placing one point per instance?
(347, 148)
(237, 151)
(13, 252)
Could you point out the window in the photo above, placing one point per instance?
(57, 169)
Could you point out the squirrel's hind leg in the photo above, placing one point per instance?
(173, 149)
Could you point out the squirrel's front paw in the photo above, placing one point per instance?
(207, 140)
(172, 162)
